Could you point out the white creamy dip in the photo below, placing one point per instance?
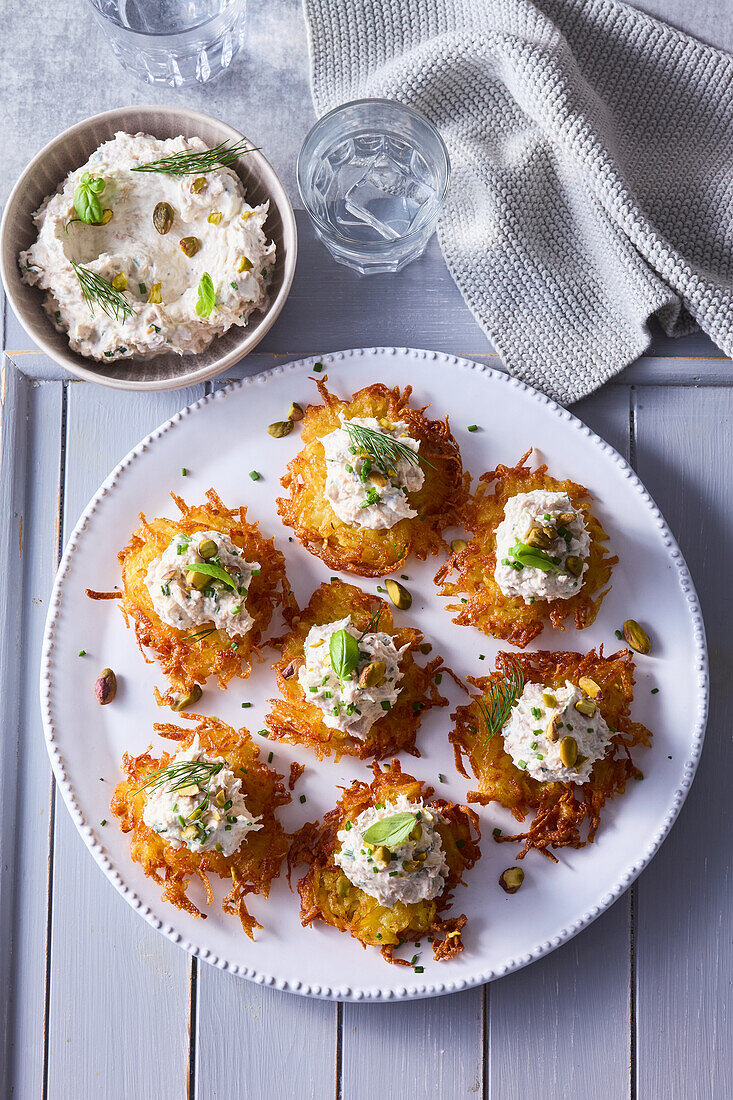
(180, 604)
(224, 820)
(233, 249)
(526, 742)
(345, 705)
(354, 485)
(426, 871)
(540, 509)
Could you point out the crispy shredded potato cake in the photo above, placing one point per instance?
(295, 719)
(258, 859)
(191, 656)
(327, 894)
(352, 549)
(560, 809)
(486, 607)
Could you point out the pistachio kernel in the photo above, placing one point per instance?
(569, 751)
(457, 545)
(549, 699)
(186, 699)
(373, 675)
(538, 538)
(197, 580)
(295, 412)
(590, 687)
(551, 728)
(163, 215)
(411, 865)
(244, 265)
(105, 687)
(154, 297)
(215, 217)
(511, 879)
(198, 184)
(107, 216)
(382, 855)
(416, 832)
(636, 637)
(189, 246)
(120, 281)
(280, 428)
(574, 565)
(398, 594)
(207, 548)
(587, 707)
(377, 479)
(565, 519)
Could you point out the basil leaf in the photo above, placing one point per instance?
(86, 203)
(344, 651)
(536, 559)
(390, 831)
(207, 296)
(216, 571)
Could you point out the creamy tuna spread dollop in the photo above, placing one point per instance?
(158, 274)
(542, 547)
(362, 493)
(413, 870)
(199, 804)
(345, 704)
(184, 596)
(545, 717)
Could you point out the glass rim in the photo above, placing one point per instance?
(110, 18)
(328, 229)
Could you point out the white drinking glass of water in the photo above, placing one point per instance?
(173, 42)
(373, 175)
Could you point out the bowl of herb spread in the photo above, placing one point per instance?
(148, 248)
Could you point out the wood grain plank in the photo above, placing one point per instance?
(570, 1011)
(269, 1055)
(684, 929)
(272, 1044)
(30, 430)
(427, 1050)
(119, 991)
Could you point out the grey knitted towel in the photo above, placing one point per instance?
(592, 154)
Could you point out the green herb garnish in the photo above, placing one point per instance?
(207, 296)
(501, 697)
(95, 289)
(344, 651)
(218, 572)
(392, 830)
(536, 559)
(384, 450)
(181, 774)
(193, 164)
(86, 199)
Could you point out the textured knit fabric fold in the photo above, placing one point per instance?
(592, 167)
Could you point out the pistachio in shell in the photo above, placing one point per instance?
(163, 215)
(511, 879)
(636, 637)
(186, 699)
(105, 687)
(398, 594)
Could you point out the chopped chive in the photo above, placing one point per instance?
(386, 705)
(438, 678)
(655, 691)
(302, 798)
(82, 653)
(318, 367)
(473, 427)
(245, 705)
(521, 763)
(638, 778)
(496, 832)
(481, 657)
(104, 820)
(254, 475)
(619, 635)
(441, 777)
(460, 843)
(263, 733)
(184, 471)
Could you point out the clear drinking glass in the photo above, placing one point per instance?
(173, 42)
(373, 175)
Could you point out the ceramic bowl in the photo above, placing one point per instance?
(48, 170)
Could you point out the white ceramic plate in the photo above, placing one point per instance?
(651, 583)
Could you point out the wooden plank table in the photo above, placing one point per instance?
(97, 1004)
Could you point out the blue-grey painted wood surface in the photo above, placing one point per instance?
(96, 1004)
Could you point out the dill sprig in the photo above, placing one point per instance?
(95, 289)
(384, 450)
(371, 626)
(201, 634)
(196, 164)
(502, 696)
(183, 773)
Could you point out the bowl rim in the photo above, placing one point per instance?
(70, 360)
